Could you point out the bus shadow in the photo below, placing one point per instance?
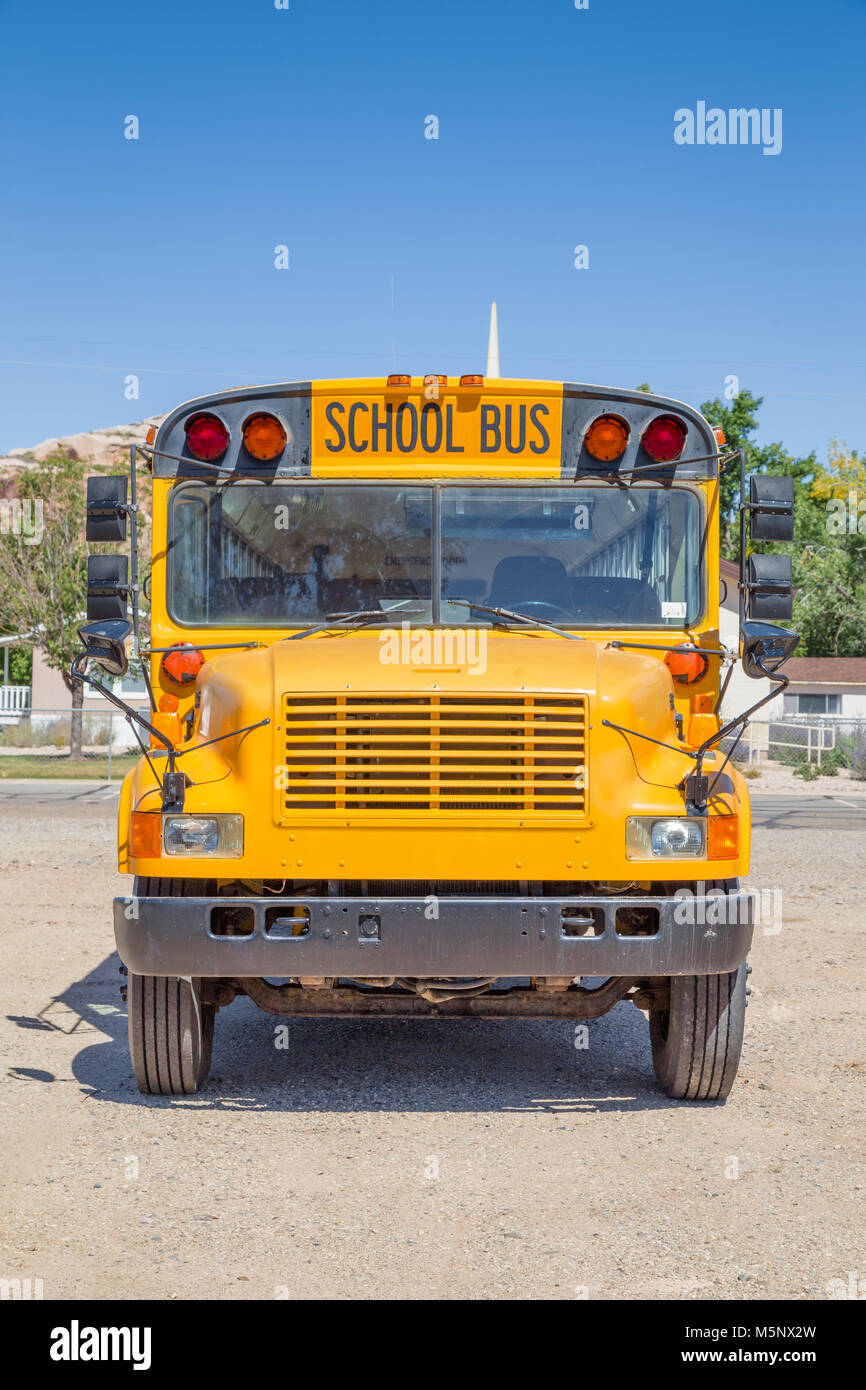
(261, 1062)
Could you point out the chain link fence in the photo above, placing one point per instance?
(824, 744)
(52, 743)
(41, 743)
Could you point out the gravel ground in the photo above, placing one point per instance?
(423, 1160)
(775, 777)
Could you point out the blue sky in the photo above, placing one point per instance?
(305, 127)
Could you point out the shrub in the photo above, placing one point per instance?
(853, 747)
(96, 731)
(20, 735)
(788, 757)
(57, 733)
(39, 732)
(834, 758)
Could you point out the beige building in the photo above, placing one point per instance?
(47, 698)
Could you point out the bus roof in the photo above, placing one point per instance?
(433, 426)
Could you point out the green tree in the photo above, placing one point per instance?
(829, 562)
(739, 420)
(830, 565)
(43, 568)
(20, 666)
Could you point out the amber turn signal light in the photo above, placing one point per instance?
(703, 720)
(145, 836)
(606, 438)
(687, 664)
(169, 726)
(723, 837)
(182, 664)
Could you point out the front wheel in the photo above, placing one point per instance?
(698, 1038)
(170, 1027)
(170, 1034)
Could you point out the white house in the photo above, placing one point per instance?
(827, 687)
(822, 690)
(742, 690)
(47, 698)
(822, 686)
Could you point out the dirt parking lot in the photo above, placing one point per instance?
(426, 1160)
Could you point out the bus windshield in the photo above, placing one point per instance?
(285, 555)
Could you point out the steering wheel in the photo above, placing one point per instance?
(554, 608)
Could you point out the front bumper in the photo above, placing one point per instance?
(504, 937)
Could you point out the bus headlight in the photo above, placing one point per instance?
(221, 837)
(678, 837)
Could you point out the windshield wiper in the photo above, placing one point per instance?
(362, 615)
(519, 617)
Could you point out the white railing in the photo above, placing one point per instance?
(14, 699)
(766, 738)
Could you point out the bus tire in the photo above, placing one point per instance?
(697, 1040)
(170, 1028)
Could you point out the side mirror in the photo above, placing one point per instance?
(771, 508)
(764, 647)
(105, 643)
(106, 509)
(107, 587)
(770, 587)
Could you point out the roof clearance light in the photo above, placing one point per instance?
(264, 437)
(472, 380)
(687, 664)
(607, 437)
(206, 436)
(396, 379)
(182, 664)
(430, 379)
(664, 438)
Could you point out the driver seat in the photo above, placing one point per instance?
(520, 579)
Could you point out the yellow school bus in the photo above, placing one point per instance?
(435, 672)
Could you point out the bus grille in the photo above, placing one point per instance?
(441, 753)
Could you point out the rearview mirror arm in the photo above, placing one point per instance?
(696, 784)
(133, 573)
(173, 782)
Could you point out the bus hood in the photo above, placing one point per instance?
(499, 670)
(421, 659)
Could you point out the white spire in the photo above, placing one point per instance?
(493, 344)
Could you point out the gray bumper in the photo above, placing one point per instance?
(506, 938)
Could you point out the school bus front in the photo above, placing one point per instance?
(435, 658)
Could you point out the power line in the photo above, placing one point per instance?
(421, 355)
